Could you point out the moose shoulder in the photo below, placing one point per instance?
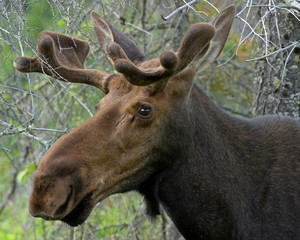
(155, 131)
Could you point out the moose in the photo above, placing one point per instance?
(156, 132)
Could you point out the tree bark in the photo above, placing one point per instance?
(277, 80)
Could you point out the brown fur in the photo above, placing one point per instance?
(217, 176)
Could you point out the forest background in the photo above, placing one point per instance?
(257, 73)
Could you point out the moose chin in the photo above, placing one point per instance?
(155, 131)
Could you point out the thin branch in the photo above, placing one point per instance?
(13, 182)
(24, 131)
(179, 9)
(293, 45)
(285, 64)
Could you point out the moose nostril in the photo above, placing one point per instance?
(52, 214)
(63, 208)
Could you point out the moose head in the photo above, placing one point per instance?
(217, 176)
(138, 128)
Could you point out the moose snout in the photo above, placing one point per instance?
(51, 199)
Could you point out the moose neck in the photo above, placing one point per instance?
(196, 188)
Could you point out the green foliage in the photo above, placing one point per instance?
(23, 174)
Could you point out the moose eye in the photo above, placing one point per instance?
(144, 112)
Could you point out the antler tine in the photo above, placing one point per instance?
(62, 57)
(196, 39)
(128, 60)
(134, 74)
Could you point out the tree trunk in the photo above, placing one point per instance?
(277, 81)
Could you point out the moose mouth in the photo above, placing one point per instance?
(80, 213)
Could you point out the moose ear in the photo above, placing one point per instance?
(108, 34)
(222, 24)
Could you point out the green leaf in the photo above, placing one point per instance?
(22, 176)
(60, 23)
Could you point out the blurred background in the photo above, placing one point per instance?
(257, 73)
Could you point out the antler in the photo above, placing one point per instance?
(62, 57)
(127, 59)
(196, 39)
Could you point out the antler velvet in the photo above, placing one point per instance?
(126, 58)
(62, 57)
(196, 39)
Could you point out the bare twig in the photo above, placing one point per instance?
(292, 45)
(13, 182)
(179, 9)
